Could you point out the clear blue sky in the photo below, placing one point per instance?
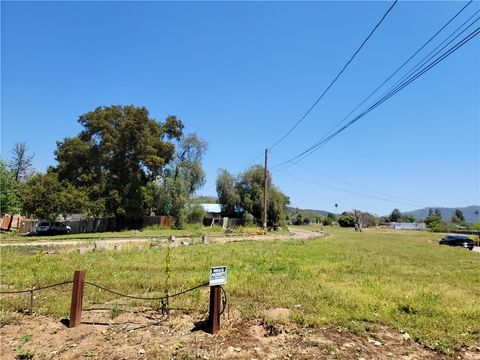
(240, 74)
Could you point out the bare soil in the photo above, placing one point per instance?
(146, 334)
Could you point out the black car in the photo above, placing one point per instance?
(457, 240)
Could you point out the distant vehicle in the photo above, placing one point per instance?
(52, 228)
(457, 240)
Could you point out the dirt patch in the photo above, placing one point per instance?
(145, 334)
(277, 314)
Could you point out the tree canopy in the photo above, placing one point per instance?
(171, 192)
(395, 216)
(457, 217)
(9, 199)
(45, 197)
(118, 152)
(243, 194)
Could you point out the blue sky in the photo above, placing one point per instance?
(241, 74)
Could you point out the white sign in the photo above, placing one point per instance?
(218, 275)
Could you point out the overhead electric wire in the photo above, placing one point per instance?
(403, 200)
(409, 59)
(384, 98)
(350, 192)
(390, 92)
(336, 77)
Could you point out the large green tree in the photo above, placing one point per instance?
(245, 193)
(227, 193)
(45, 197)
(9, 199)
(434, 221)
(457, 217)
(117, 154)
(395, 216)
(184, 175)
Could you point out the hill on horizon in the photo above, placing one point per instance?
(419, 214)
(471, 213)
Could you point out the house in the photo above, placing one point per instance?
(212, 210)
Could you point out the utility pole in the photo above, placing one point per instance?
(265, 193)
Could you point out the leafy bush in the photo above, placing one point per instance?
(438, 226)
(196, 214)
(346, 220)
(329, 219)
(180, 220)
(249, 219)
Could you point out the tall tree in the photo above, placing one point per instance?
(250, 184)
(395, 216)
(359, 219)
(118, 152)
(434, 221)
(181, 178)
(9, 199)
(227, 193)
(21, 163)
(457, 217)
(246, 191)
(187, 163)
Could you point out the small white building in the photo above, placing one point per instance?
(407, 226)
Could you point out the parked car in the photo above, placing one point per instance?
(457, 240)
(52, 228)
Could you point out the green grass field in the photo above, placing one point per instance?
(191, 230)
(355, 280)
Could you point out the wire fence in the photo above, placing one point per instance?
(165, 297)
(165, 308)
(33, 289)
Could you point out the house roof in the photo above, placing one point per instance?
(212, 208)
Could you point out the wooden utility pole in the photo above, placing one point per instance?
(265, 193)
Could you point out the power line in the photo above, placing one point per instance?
(348, 191)
(410, 58)
(384, 98)
(403, 200)
(335, 79)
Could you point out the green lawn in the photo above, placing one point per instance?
(356, 280)
(192, 230)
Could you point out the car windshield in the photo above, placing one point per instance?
(44, 224)
(453, 237)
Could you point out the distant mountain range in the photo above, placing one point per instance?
(292, 210)
(420, 214)
(468, 213)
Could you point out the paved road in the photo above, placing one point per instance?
(476, 249)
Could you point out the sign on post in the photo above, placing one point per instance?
(218, 275)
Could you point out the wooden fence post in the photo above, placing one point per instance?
(214, 312)
(77, 298)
